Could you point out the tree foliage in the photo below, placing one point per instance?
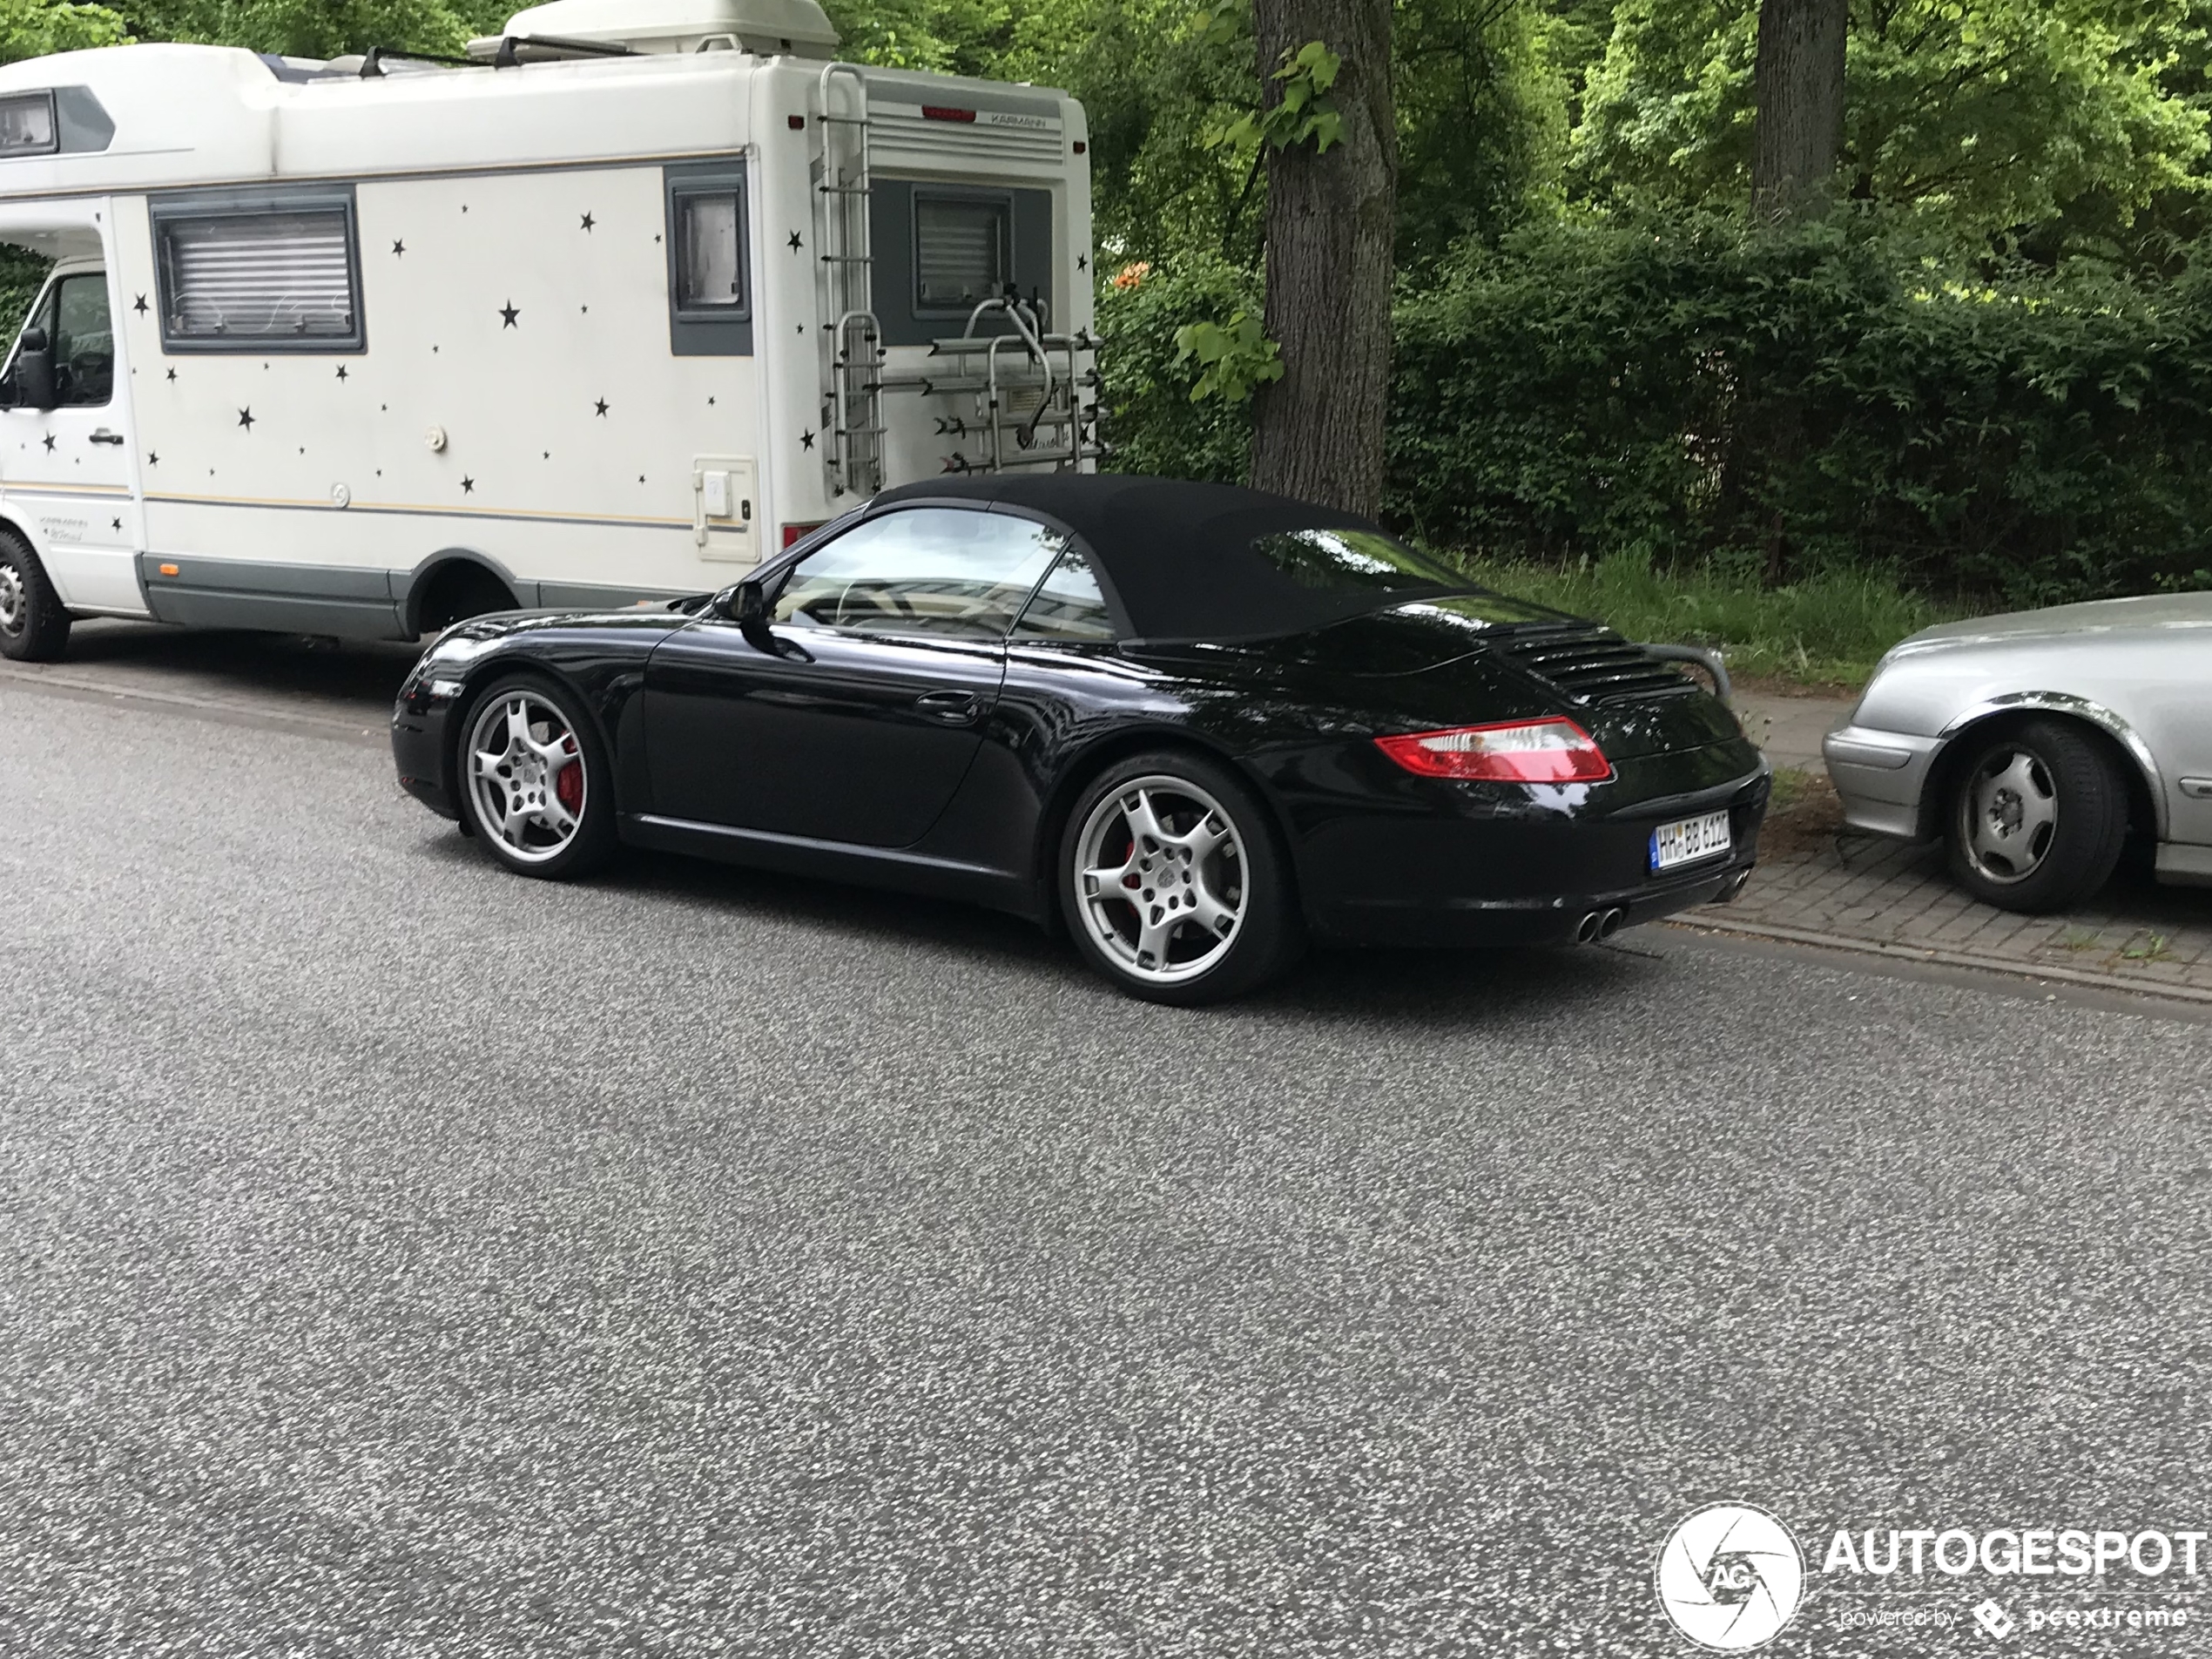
(1989, 116)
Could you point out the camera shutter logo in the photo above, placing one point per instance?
(1731, 1577)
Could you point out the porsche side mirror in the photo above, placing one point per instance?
(749, 604)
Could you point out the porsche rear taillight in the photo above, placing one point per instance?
(1556, 751)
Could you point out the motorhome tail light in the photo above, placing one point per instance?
(793, 534)
(797, 123)
(945, 112)
(1556, 751)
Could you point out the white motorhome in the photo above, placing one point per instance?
(639, 293)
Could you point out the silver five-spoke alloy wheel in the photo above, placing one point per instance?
(2010, 807)
(1160, 878)
(527, 776)
(14, 604)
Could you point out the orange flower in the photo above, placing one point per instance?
(1130, 275)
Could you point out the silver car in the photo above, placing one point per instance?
(2035, 744)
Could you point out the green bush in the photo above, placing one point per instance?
(1837, 394)
(1152, 422)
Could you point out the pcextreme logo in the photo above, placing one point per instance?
(1731, 1577)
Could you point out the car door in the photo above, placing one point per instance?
(851, 715)
(65, 464)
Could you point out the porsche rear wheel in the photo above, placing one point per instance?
(535, 781)
(2039, 816)
(1172, 883)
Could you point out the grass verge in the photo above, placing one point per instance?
(1827, 630)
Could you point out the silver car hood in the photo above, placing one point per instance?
(2152, 612)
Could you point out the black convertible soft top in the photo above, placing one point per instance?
(1187, 560)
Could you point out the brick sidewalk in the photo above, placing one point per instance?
(1857, 892)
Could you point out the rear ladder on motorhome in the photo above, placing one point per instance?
(852, 343)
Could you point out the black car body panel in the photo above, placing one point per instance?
(949, 765)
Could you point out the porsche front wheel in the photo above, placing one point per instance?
(1172, 883)
(535, 781)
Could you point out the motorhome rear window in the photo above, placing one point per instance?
(27, 125)
(963, 249)
(258, 278)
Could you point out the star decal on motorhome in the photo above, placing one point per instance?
(794, 241)
(173, 373)
(49, 441)
(599, 407)
(245, 418)
(467, 486)
(398, 248)
(140, 305)
(153, 458)
(588, 221)
(805, 440)
(507, 315)
(342, 371)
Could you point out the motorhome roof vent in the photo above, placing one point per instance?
(800, 28)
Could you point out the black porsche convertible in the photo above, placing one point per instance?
(1194, 724)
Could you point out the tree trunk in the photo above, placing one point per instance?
(1317, 432)
(1798, 84)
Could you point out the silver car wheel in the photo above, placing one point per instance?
(14, 604)
(2009, 813)
(1159, 878)
(526, 776)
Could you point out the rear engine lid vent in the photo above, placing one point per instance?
(1593, 665)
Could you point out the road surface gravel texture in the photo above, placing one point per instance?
(401, 1258)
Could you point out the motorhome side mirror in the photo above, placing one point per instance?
(32, 378)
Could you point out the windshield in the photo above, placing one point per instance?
(1362, 560)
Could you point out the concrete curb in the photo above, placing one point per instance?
(2012, 969)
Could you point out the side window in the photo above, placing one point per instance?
(1067, 604)
(963, 250)
(710, 265)
(926, 570)
(271, 273)
(84, 342)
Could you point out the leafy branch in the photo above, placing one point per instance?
(1235, 358)
(1306, 113)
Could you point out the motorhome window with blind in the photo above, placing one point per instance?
(963, 250)
(259, 278)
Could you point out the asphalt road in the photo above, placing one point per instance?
(399, 1258)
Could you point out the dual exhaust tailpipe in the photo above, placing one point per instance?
(1599, 924)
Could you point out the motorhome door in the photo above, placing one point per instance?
(67, 469)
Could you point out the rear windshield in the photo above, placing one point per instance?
(1363, 561)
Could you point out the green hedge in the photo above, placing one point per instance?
(1692, 392)
(1692, 388)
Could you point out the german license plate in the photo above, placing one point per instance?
(1689, 840)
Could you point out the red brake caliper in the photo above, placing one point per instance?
(568, 785)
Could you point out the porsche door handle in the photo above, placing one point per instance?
(106, 436)
(948, 708)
